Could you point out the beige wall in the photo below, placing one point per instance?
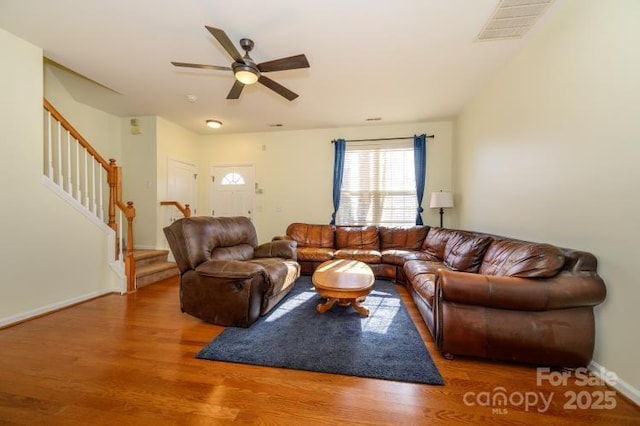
(173, 143)
(100, 129)
(50, 254)
(139, 177)
(295, 169)
(549, 151)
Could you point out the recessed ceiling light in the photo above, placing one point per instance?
(214, 124)
(191, 98)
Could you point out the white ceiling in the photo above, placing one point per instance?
(400, 60)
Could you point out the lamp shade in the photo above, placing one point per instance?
(441, 200)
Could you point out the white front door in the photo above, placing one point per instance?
(233, 190)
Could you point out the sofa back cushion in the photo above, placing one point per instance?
(402, 238)
(436, 241)
(307, 235)
(357, 237)
(521, 259)
(464, 251)
(194, 240)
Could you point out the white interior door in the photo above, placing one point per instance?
(233, 190)
(182, 186)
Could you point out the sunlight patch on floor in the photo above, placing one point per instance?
(290, 304)
(382, 310)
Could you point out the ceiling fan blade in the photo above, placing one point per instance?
(235, 91)
(209, 67)
(223, 39)
(278, 88)
(290, 63)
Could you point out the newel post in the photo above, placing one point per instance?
(129, 263)
(187, 211)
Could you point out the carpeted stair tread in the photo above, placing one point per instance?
(152, 266)
(147, 257)
(154, 272)
(143, 271)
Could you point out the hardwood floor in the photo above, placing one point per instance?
(129, 360)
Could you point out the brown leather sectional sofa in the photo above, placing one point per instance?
(480, 295)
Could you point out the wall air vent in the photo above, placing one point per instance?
(513, 18)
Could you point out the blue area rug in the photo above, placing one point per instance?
(385, 345)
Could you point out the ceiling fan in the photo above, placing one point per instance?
(246, 71)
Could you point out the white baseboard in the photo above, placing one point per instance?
(618, 384)
(54, 307)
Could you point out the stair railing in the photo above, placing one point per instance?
(184, 209)
(95, 185)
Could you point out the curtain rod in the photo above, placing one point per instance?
(384, 139)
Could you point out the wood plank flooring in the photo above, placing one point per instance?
(129, 360)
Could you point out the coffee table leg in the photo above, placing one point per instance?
(359, 308)
(324, 307)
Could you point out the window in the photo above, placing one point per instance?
(378, 184)
(232, 178)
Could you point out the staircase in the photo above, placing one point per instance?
(152, 266)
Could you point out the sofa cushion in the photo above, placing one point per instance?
(521, 259)
(280, 274)
(464, 251)
(414, 268)
(314, 254)
(424, 286)
(399, 257)
(402, 238)
(363, 255)
(307, 235)
(357, 237)
(237, 252)
(436, 241)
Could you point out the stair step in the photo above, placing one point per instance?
(152, 266)
(154, 272)
(148, 257)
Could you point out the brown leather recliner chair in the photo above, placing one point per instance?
(225, 277)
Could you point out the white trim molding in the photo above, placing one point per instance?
(618, 384)
(7, 321)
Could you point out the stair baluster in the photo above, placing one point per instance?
(88, 180)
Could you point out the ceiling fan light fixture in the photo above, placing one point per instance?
(214, 124)
(246, 74)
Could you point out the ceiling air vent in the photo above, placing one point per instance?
(513, 18)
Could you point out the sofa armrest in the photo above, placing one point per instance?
(526, 294)
(285, 249)
(231, 269)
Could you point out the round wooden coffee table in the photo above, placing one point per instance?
(345, 282)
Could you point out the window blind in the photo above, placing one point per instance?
(378, 186)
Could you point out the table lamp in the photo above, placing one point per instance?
(441, 200)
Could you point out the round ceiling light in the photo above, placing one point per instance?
(214, 124)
